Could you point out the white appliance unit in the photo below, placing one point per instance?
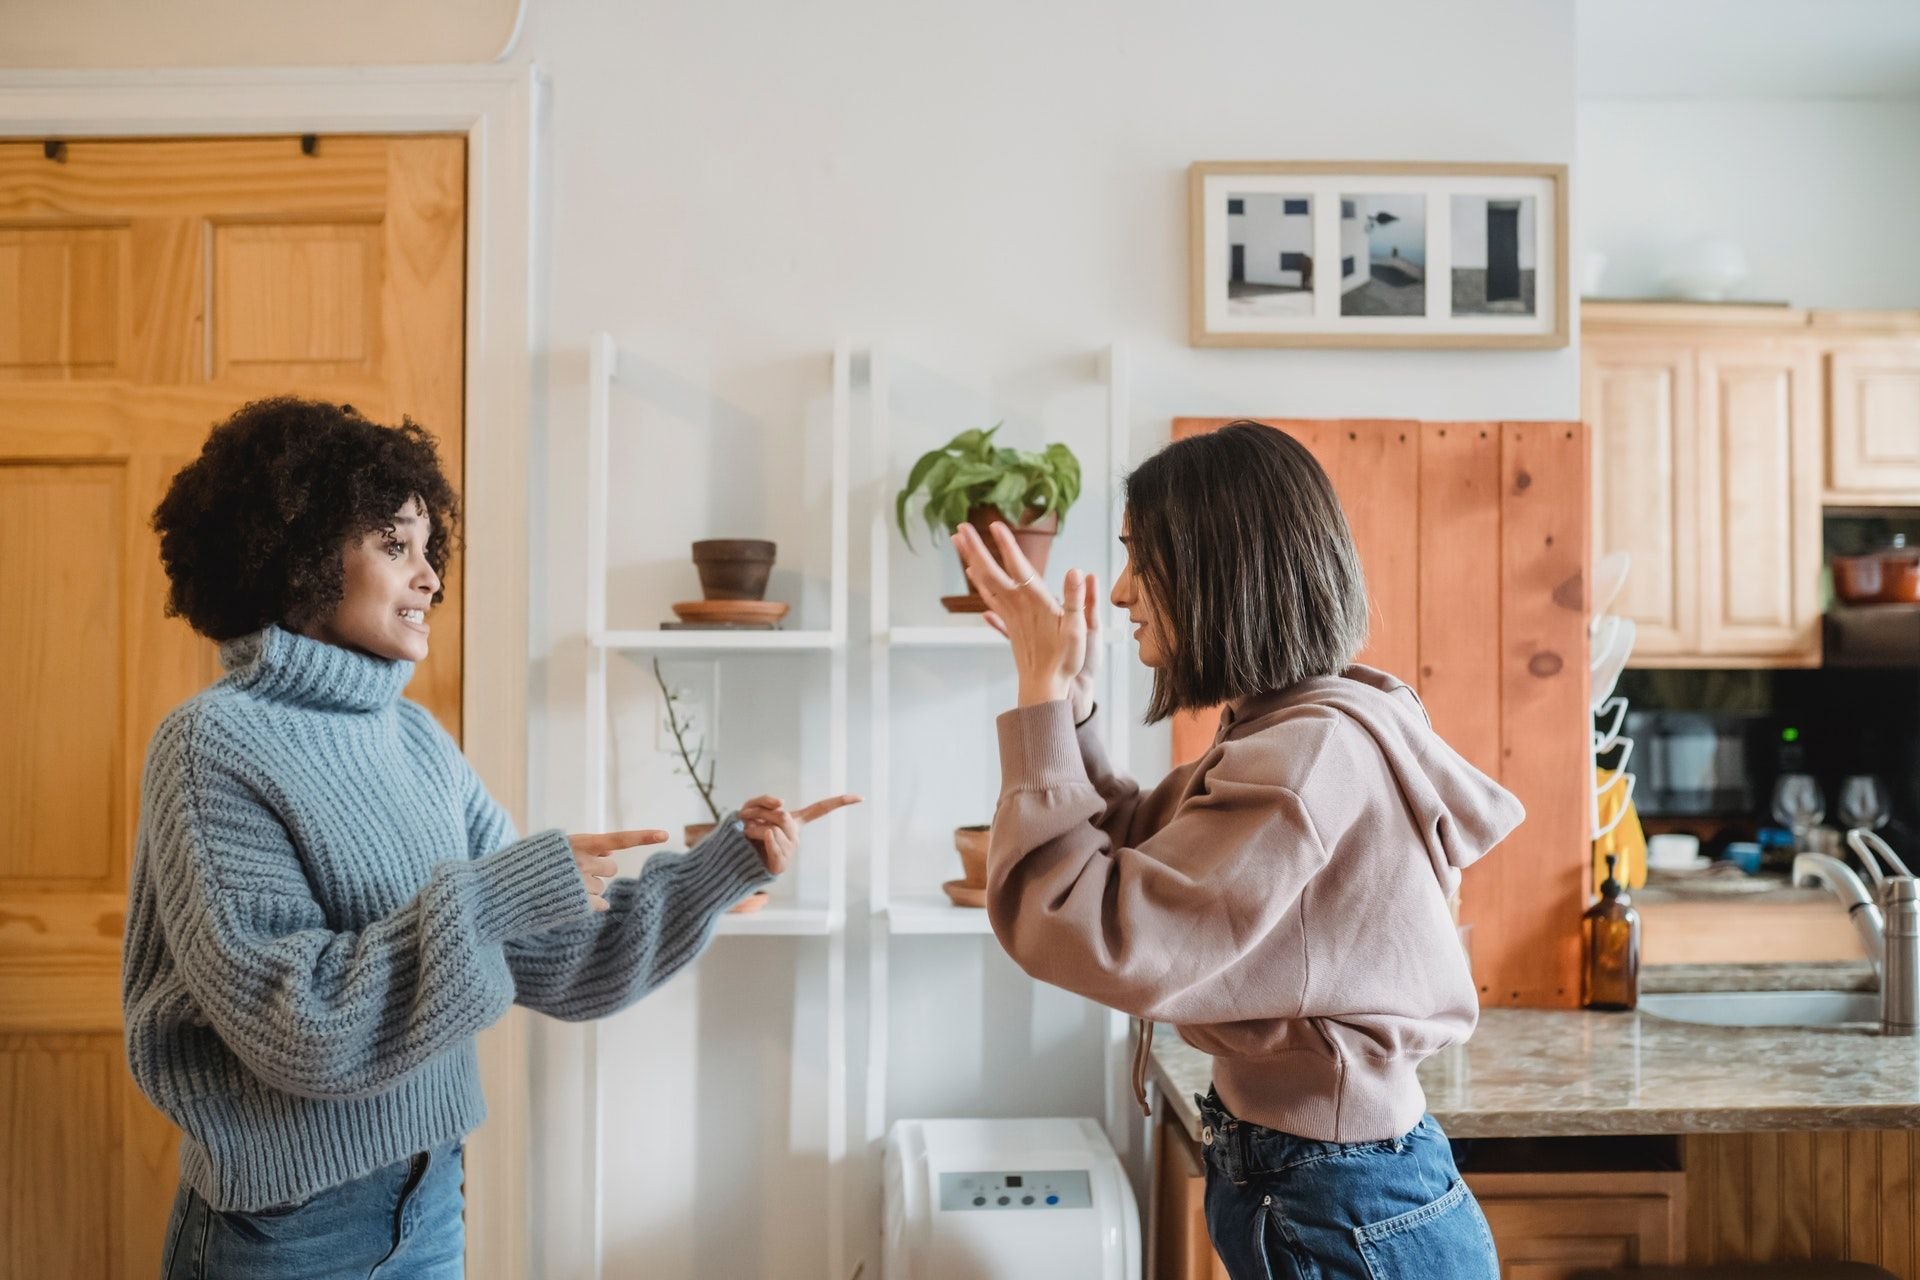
(1038, 1199)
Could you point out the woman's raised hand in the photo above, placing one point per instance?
(593, 858)
(777, 832)
(1055, 643)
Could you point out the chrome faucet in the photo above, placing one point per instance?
(1889, 929)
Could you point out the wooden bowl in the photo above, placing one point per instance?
(722, 613)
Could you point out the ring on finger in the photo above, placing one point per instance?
(1024, 581)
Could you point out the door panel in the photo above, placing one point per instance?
(61, 574)
(1760, 504)
(1640, 407)
(148, 289)
(1875, 449)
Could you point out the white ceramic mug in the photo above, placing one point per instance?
(1672, 850)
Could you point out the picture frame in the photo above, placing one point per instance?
(1378, 254)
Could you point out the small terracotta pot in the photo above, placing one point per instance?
(1034, 536)
(695, 832)
(972, 843)
(734, 568)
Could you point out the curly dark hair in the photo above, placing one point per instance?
(251, 531)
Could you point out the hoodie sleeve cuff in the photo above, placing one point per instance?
(1039, 749)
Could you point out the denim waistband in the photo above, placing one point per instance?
(1241, 1149)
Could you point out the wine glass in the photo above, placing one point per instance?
(1799, 804)
(1865, 802)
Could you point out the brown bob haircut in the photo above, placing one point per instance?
(1240, 544)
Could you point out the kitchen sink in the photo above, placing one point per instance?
(1766, 1008)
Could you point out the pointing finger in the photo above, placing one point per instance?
(821, 808)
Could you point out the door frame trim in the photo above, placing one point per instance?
(496, 107)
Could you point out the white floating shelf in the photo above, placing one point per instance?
(778, 922)
(979, 635)
(717, 641)
(963, 637)
(932, 913)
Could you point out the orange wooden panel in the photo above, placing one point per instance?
(1459, 675)
(62, 300)
(296, 298)
(61, 575)
(1532, 890)
(235, 177)
(57, 1095)
(1375, 469)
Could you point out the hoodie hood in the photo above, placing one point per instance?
(1460, 812)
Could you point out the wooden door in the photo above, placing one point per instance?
(1759, 458)
(147, 289)
(1639, 403)
(1873, 449)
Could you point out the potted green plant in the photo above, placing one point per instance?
(690, 760)
(971, 480)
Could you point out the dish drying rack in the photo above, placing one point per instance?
(1611, 640)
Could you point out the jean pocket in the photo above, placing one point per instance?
(1446, 1238)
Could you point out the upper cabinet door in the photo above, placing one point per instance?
(1873, 453)
(1760, 501)
(1639, 403)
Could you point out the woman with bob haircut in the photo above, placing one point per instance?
(326, 906)
(1283, 899)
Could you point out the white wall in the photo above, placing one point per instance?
(996, 191)
(1823, 195)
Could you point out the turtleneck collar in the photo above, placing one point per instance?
(281, 666)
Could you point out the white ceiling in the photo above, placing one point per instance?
(1749, 49)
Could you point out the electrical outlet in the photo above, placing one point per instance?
(696, 691)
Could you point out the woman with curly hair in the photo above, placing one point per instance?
(326, 905)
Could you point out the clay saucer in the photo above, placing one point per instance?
(763, 613)
(964, 604)
(962, 894)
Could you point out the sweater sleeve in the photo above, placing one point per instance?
(1152, 927)
(654, 925)
(312, 1010)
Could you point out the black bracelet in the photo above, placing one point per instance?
(1081, 724)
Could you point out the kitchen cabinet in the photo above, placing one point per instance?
(1873, 441)
(1706, 437)
(1547, 1226)
(1180, 1249)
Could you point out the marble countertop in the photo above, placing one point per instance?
(1541, 1073)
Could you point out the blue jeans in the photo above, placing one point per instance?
(398, 1223)
(1287, 1208)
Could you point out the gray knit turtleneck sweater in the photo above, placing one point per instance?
(327, 906)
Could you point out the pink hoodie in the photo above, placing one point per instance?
(1283, 899)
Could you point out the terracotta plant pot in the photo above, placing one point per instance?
(733, 568)
(1034, 536)
(972, 844)
(695, 832)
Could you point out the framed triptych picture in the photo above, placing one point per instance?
(1327, 254)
